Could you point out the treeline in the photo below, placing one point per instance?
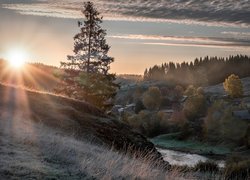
(203, 71)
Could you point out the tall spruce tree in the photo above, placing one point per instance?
(86, 72)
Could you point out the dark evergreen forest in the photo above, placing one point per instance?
(200, 72)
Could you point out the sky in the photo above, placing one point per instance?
(141, 33)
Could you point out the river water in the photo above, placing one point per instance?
(181, 158)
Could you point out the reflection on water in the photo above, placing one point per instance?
(181, 158)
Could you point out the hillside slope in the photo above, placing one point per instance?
(219, 90)
(35, 76)
(27, 116)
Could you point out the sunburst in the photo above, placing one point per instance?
(16, 58)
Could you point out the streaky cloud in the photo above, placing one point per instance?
(212, 13)
(226, 46)
(237, 35)
(187, 41)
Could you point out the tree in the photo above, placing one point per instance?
(233, 86)
(195, 106)
(190, 91)
(139, 106)
(152, 98)
(86, 72)
(200, 91)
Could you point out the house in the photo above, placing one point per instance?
(183, 99)
(167, 112)
(247, 104)
(115, 109)
(130, 107)
(236, 102)
(242, 114)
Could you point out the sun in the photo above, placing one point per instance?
(16, 57)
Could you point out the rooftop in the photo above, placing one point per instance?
(242, 114)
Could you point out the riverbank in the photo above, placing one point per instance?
(170, 142)
(177, 158)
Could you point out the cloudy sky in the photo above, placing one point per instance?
(141, 32)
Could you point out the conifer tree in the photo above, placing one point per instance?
(86, 72)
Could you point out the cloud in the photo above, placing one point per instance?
(212, 42)
(43, 8)
(228, 46)
(237, 35)
(213, 12)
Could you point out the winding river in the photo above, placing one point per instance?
(181, 158)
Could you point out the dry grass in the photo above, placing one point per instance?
(45, 137)
(49, 137)
(33, 151)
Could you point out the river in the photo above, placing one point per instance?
(182, 159)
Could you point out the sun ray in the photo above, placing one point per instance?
(16, 57)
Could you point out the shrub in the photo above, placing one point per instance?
(200, 91)
(208, 166)
(247, 137)
(195, 106)
(219, 124)
(232, 129)
(134, 121)
(233, 86)
(165, 124)
(212, 123)
(179, 119)
(152, 98)
(139, 106)
(237, 168)
(190, 91)
(138, 93)
(149, 123)
(186, 131)
(179, 91)
(143, 122)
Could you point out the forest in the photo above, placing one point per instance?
(200, 72)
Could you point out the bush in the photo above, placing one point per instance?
(179, 91)
(237, 168)
(149, 123)
(200, 91)
(139, 106)
(178, 117)
(208, 166)
(195, 106)
(190, 91)
(186, 132)
(247, 137)
(220, 125)
(145, 122)
(212, 123)
(134, 121)
(233, 86)
(152, 98)
(138, 93)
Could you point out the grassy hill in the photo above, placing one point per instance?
(48, 136)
